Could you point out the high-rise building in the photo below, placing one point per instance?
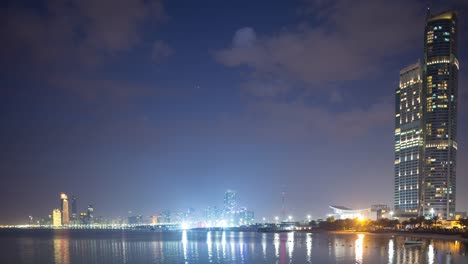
(230, 201)
(440, 98)
(426, 125)
(64, 208)
(408, 141)
(56, 217)
(74, 212)
(90, 214)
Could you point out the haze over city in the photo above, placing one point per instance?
(154, 108)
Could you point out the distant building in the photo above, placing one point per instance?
(381, 210)
(135, 219)
(56, 217)
(244, 217)
(212, 214)
(46, 220)
(230, 201)
(154, 219)
(83, 218)
(74, 212)
(460, 215)
(90, 214)
(342, 212)
(65, 209)
(165, 217)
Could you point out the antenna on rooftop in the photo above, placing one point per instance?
(428, 10)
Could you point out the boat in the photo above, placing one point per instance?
(413, 242)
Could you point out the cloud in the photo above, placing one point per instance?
(68, 43)
(80, 31)
(350, 43)
(344, 41)
(244, 37)
(161, 50)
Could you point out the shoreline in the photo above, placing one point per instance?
(406, 234)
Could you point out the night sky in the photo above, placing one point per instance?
(148, 105)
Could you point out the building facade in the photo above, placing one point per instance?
(56, 217)
(440, 99)
(408, 141)
(65, 209)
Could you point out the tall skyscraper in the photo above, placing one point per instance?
(408, 141)
(56, 217)
(440, 97)
(74, 212)
(426, 125)
(230, 201)
(64, 208)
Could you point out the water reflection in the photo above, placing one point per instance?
(309, 247)
(264, 245)
(430, 254)
(61, 251)
(209, 244)
(290, 245)
(276, 243)
(222, 247)
(391, 251)
(184, 244)
(358, 245)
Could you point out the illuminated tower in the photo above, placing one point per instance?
(408, 141)
(64, 207)
(440, 99)
(56, 217)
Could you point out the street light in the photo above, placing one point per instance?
(391, 214)
(308, 217)
(432, 212)
(290, 218)
(264, 219)
(276, 219)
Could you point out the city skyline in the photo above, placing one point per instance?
(171, 110)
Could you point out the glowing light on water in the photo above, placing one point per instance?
(264, 245)
(359, 244)
(309, 247)
(391, 251)
(430, 254)
(223, 244)
(209, 244)
(290, 244)
(184, 244)
(276, 243)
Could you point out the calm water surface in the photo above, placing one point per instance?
(66, 246)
